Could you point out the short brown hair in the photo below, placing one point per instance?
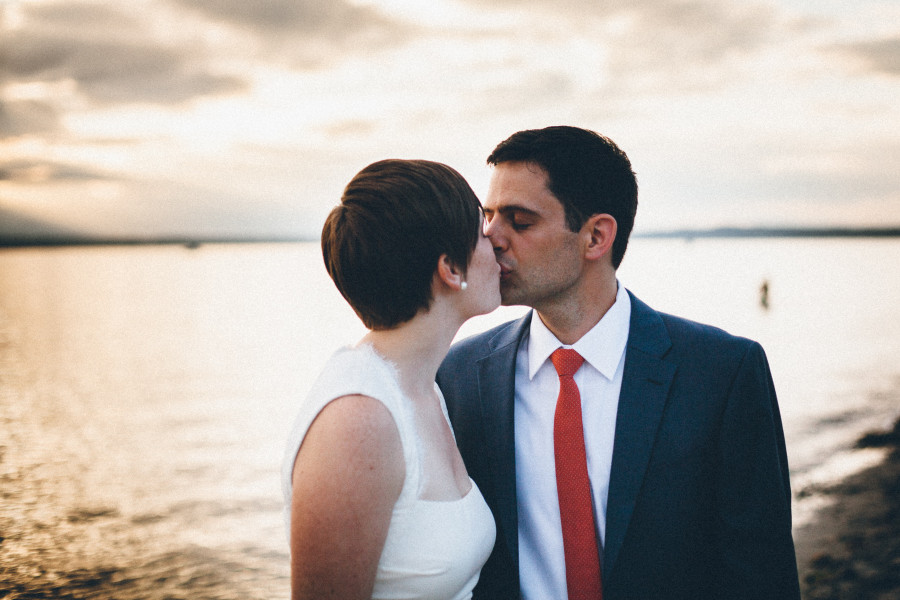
(382, 243)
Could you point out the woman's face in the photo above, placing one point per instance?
(483, 277)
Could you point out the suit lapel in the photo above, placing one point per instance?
(496, 380)
(645, 387)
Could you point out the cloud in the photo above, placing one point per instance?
(349, 128)
(320, 17)
(19, 228)
(116, 71)
(307, 34)
(22, 117)
(35, 171)
(645, 45)
(704, 29)
(300, 94)
(109, 55)
(881, 56)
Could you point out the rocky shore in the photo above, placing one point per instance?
(852, 549)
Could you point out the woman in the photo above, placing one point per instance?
(380, 504)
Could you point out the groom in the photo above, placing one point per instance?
(679, 486)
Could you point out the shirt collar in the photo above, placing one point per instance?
(602, 347)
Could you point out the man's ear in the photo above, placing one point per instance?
(600, 233)
(448, 273)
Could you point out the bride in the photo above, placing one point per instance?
(378, 502)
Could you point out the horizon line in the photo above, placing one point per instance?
(13, 241)
(774, 231)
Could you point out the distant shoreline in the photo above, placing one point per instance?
(686, 234)
(188, 243)
(769, 232)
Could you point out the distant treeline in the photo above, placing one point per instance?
(758, 232)
(8, 241)
(22, 242)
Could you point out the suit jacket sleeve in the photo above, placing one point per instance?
(753, 497)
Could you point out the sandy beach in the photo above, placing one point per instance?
(851, 550)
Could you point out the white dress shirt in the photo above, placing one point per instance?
(541, 559)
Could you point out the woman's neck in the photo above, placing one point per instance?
(416, 348)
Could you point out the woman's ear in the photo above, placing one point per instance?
(448, 273)
(600, 231)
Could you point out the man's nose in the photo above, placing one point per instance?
(493, 231)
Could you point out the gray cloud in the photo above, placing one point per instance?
(308, 33)
(36, 171)
(16, 228)
(688, 45)
(27, 116)
(80, 15)
(662, 43)
(108, 55)
(535, 88)
(878, 56)
(115, 71)
(321, 17)
(705, 30)
(709, 27)
(349, 128)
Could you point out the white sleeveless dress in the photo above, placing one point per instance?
(434, 549)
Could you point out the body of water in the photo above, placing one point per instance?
(146, 392)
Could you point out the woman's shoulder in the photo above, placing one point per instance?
(356, 370)
(366, 431)
(355, 388)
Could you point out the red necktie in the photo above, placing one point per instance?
(573, 485)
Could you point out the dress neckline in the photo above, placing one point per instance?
(369, 349)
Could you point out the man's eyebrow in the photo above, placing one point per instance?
(512, 208)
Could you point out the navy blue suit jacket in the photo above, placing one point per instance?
(699, 495)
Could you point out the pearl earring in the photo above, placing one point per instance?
(463, 286)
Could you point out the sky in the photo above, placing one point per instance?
(247, 119)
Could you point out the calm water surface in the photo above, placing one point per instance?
(146, 392)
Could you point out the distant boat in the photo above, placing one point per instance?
(192, 245)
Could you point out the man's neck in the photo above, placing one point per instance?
(573, 317)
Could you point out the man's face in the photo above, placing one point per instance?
(541, 259)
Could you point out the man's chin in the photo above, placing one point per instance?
(508, 298)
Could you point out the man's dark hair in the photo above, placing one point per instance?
(586, 172)
(382, 243)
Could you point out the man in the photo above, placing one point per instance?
(682, 470)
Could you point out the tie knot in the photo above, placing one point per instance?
(566, 361)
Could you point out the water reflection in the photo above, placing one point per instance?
(145, 393)
(135, 461)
